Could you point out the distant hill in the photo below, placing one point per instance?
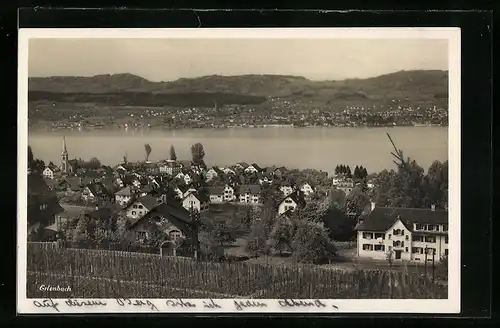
(242, 89)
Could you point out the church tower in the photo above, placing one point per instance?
(64, 158)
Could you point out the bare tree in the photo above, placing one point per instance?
(147, 148)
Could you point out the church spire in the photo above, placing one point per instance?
(64, 145)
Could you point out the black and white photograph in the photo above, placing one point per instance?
(239, 170)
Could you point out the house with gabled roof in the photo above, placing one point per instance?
(241, 165)
(183, 190)
(170, 217)
(124, 195)
(249, 194)
(69, 185)
(252, 168)
(409, 234)
(196, 200)
(216, 195)
(97, 191)
(140, 206)
(42, 207)
(213, 172)
(307, 189)
(291, 202)
(286, 188)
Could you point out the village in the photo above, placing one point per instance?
(222, 207)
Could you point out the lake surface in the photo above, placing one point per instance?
(318, 148)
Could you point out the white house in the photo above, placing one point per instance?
(241, 165)
(227, 170)
(252, 168)
(407, 234)
(48, 173)
(229, 193)
(291, 202)
(183, 191)
(286, 189)
(212, 173)
(140, 207)
(265, 179)
(216, 195)
(185, 177)
(346, 186)
(124, 196)
(196, 201)
(307, 189)
(249, 194)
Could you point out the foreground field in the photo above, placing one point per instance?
(109, 274)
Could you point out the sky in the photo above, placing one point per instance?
(170, 59)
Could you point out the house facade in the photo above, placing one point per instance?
(140, 207)
(228, 193)
(124, 196)
(286, 189)
(307, 189)
(408, 234)
(249, 194)
(196, 201)
(216, 195)
(291, 202)
(48, 173)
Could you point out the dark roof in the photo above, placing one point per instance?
(242, 164)
(216, 190)
(382, 218)
(125, 192)
(102, 213)
(202, 196)
(252, 189)
(185, 163)
(173, 211)
(257, 167)
(297, 196)
(148, 201)
(98, 189)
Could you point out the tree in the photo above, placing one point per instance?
(223, 233)
(173, 156)
(93, 164)
(198, 154)
(436, 185)
(356, 172)
(82, 230)
(34, 164)
(364, 173)
(311, 243)
(348, 172)
(147, 149)
(30, 155)
(280, 238)
(340, 227)
(356, 202)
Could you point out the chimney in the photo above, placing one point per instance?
(433, 207)
(372, 206)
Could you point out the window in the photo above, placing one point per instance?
(367, 247)
(418, 238)
(133, 213)
(141, 235)
(396, 243)
(140, 212)
(445, 227)
(407, 237)
(406, 249)
(389, 237)
(174, 235)
(446, 252)
(140, 207)
(380, 235)
(417, 250)
(431, 251)
(367, 235)
(446, 239)
(430, 239)
(419, 226)
(380, 248)
(134, 206)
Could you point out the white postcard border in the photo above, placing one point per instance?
(450, 305)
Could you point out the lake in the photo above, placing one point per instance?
(318, 148)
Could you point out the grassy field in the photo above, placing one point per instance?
(108, 274)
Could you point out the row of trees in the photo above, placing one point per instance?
(359, 171)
